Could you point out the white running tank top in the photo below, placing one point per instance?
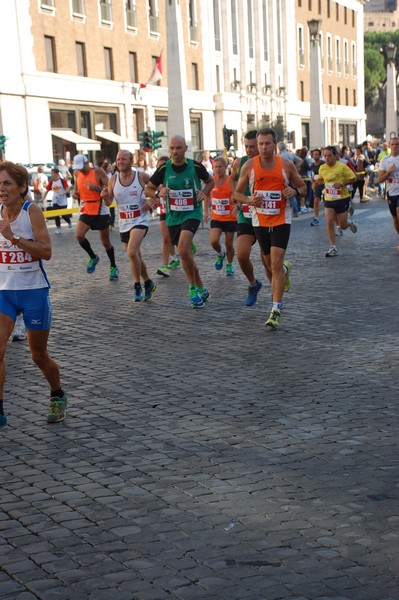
(18, 269)
(130, 200)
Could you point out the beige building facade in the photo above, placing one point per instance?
(73, 81)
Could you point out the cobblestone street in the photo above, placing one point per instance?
(203, 456)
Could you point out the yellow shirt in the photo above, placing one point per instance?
(330, 175)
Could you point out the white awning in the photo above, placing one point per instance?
(82, 143)
(123, 143)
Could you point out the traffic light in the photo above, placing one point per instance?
(3, 142)
(156, 140)
(145, 140)
(227, 133)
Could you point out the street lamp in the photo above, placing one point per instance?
(391, 123)
(316, 123)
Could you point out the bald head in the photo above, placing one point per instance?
(177, 149)
(124, 161)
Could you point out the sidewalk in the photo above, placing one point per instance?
(203, 456)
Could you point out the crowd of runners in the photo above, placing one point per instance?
(253, 198)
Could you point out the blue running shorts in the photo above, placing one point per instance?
(35, 305)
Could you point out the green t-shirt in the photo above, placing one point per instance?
(241, 217)
(182, 203)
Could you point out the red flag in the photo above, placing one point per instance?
(156, 74)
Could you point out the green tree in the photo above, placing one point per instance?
(374, 73)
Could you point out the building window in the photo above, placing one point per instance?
(353, 18)
(51, 60)
(153, 16)
(309, 4)
(81, 59)
(192, 17)
(108, 62)
(328, 9)
(346, 96)
(330, 94)
(299, 3)
(345, 15)
(154, 66)
(319, 7)
(196, 143)
(302, 90)
(105, 11)
(354, 98)
(301, 47)
(133, 67)
(250, 29)
(354, 61)
(131, 16)
(265, 31)
(338, 54)
(194, 76)
(346, 58)
(78, 7)
(337, 12)
(47, 5)
(216, 25)
(329, 53)
(338, 95)
(279, 36)
(63, 119)
(217, 79)
(234, 34)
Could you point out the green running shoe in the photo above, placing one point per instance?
(195, 297)
(193, 249)
(174, 264)
(58, 406)
(273, 320)
(113, 273)
(219, 261)
(91, 265)
(229, 270)
(164, 271)
(287, 285)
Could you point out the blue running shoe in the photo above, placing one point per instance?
(149, 290)
(204, 294)
(3, 421)
(229, 270)
(113, 273)
(253, 293)
(91, 265)
(196, 300)
(138, 293)
(219, 261)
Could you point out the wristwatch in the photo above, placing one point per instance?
(15, 239)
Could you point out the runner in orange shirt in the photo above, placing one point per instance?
(223, 216)
(273, 181)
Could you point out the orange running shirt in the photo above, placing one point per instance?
(89, 199)
(222, 204)
(270, 183)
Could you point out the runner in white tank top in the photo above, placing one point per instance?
(127, 188)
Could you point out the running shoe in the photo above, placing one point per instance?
(339, 232)
(352, 226)
(351, 209)
(229, 270)
(196, 300)
(138, 293)
(219, 261)
(57, 410)
(193, 249)
(69, 225)
(253, 293)
(149, 290)
(57, 231)
(287, 285)
(174, 264)
(273, 320)
(19, 333)
(164, 271)
(91, 265)
(113, 273)
(314, 222)
(204, 294)
(3, 421)
(332, 251)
